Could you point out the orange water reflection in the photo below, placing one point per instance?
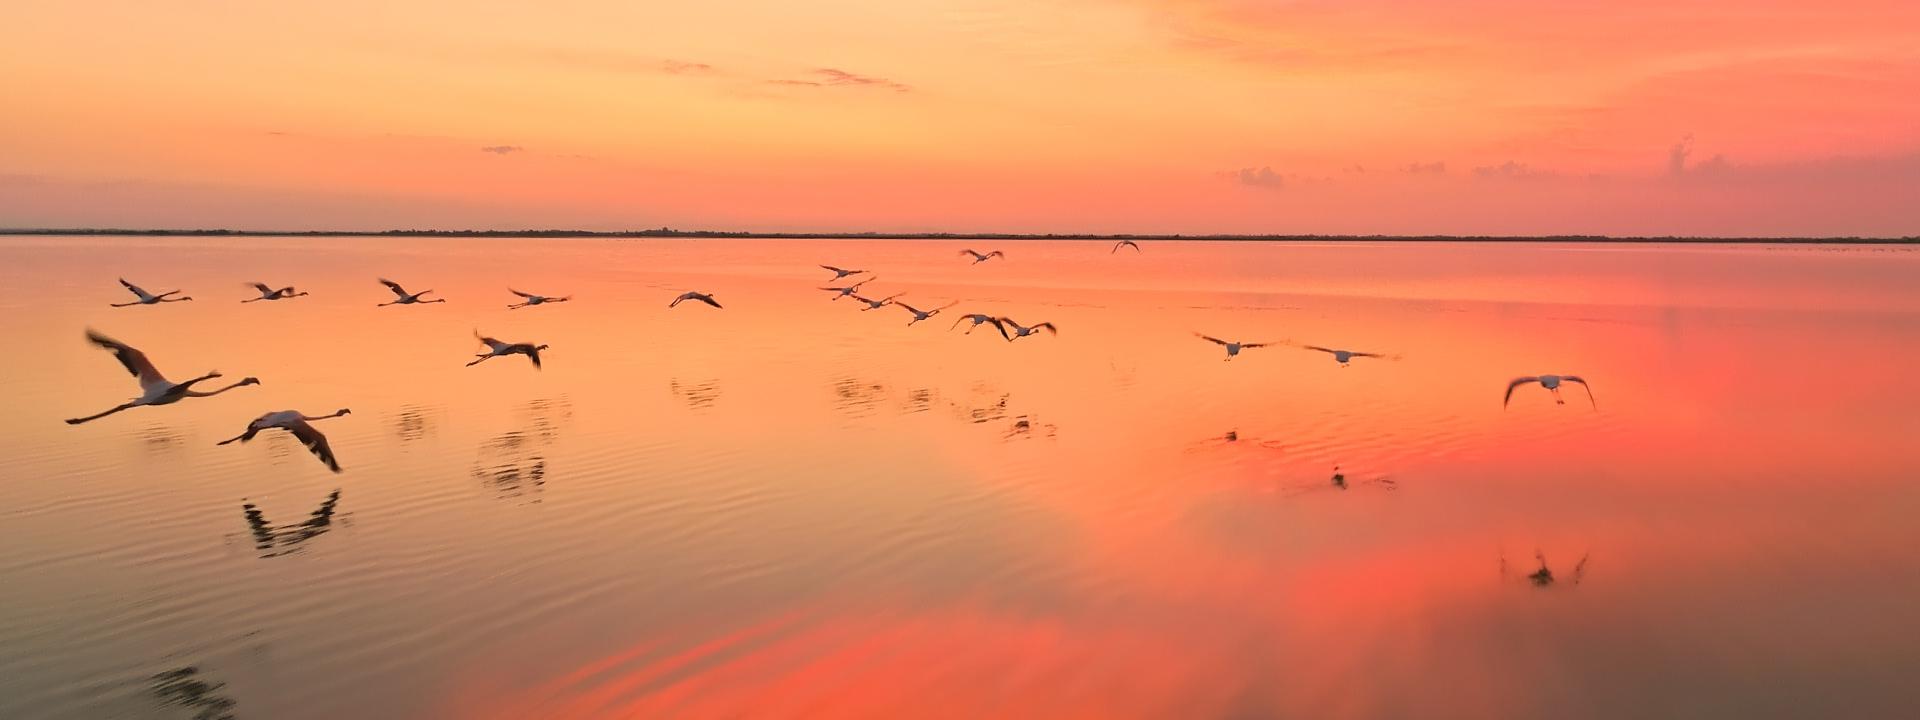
(793, 508)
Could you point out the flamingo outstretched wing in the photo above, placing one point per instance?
(1583, 386)
(315, 441)
(1517, 382)
(133, 360)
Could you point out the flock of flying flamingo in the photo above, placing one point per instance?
(156, 389)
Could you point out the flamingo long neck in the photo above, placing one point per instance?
(210, 393)
(202, 378)
(334, 414)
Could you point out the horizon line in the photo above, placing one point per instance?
(668, 232)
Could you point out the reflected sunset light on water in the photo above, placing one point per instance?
(793, 508)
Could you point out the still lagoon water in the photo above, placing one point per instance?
(790, 507)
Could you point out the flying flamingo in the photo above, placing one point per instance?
(1020, 331)
(978, 320)
(979, 257)
(1124, 243)
(690, 295)
(155, 389)
(405, 298)
(873, 304)
(295, 422)
(147, 298)
(840, 273)
(1343, 356)
(267, 293)
(1552, 384)
(498, 349)
(919, 314)
(533, 299)
(1233, 348)
(840, 292)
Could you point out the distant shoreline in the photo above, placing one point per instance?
(721, 234)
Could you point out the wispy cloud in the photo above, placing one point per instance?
(1512, 170)
(1262, 177)
(1267, 53)
(1896, 172)
(835, 77)
(1303, 36)
(1711, 166)
(1681, 152)
(595, 60)
(682, 67)
(1428, 168)
(1677, 155)
(502, 149)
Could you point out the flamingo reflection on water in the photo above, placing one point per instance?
(1544, 577)
(274, 541)
(1024, 426)
(1234, 438)
(1340, 482)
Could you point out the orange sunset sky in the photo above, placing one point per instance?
(1762, 117)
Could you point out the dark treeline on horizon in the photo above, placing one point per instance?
(672, 233)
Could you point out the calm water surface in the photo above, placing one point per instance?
(791, 508)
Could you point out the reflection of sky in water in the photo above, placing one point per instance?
(875, 520)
